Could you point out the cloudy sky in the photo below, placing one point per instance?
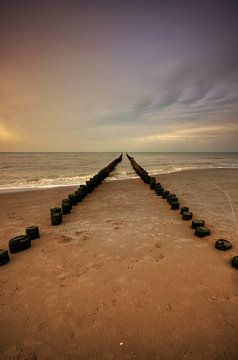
(108, 75)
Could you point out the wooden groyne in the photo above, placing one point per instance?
(81, 193)
(197, 224)
(23, 242)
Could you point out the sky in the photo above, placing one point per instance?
(128, 75)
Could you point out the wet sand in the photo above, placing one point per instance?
(123, 277)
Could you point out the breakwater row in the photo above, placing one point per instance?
(73, 199)
(23, 242)
(197, 224)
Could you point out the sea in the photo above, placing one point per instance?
(28, 171)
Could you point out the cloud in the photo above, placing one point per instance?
(191, 134)
(185, 137)
(182, 91)
(100, 75)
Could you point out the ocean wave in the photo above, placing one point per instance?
(195, 167)
(35, 181)
(122, 177)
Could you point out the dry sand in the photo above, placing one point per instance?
(123, 277)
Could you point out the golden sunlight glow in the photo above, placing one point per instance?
(7, 135)
(203, 131)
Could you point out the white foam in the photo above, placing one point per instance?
(19, 172)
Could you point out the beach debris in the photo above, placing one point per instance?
(197, 223)
(19, 243)
(175, 205)
(234, 262)
(187, 215)
(202, 231)
(184, 209)
(222, 244)
(56, 216)
(4, 257)
(33, 232)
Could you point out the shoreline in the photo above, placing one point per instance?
(109, 179)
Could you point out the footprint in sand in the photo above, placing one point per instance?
(17, 288)
(133, 260)
(228, 298)
(119, 222)
(42, 325)
(116, 289)
(68, 315)
(83, 272)
(92, 318)
(98, 266)
(64, 239)
(151, 235)
(187, 355)
(168, 307)
(109, 304)
(159, 257)
(83, 234)
(61, 282)
(4, 280)
(158, 245)
(20, 355)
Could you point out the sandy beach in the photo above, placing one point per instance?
(123, 277)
